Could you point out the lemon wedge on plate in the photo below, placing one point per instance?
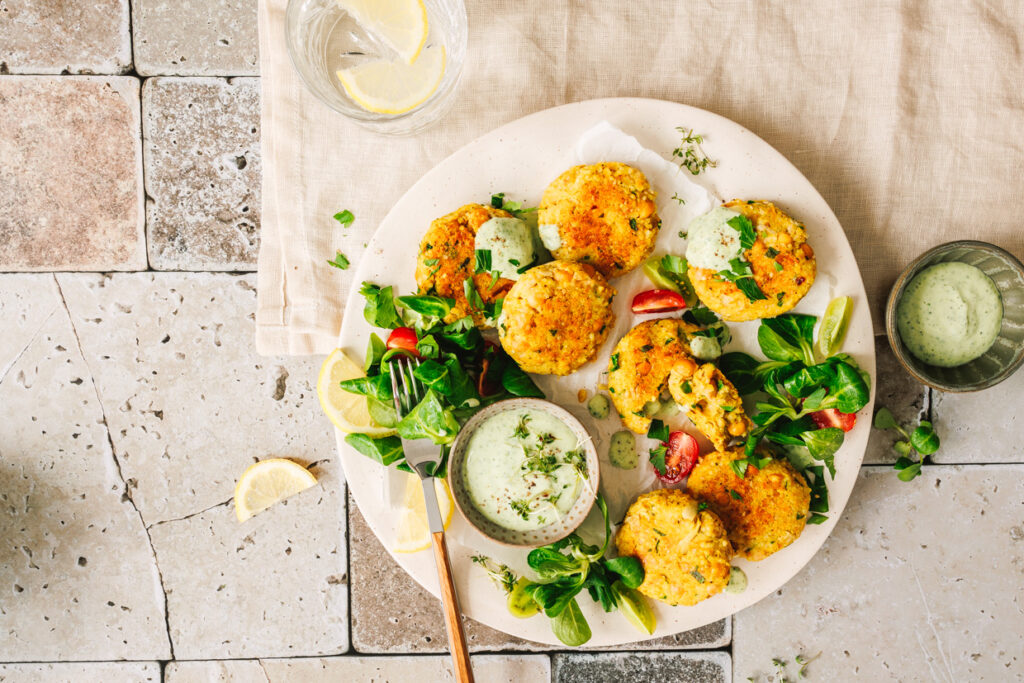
(268, 482)
(395, 87)
(401, 24)
(413, 528)
(348, 412)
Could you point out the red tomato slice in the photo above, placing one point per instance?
(658, 301)
(403, 338)
(830, 417)
(485, 384)
(683, 453)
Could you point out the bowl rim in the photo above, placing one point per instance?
(896, 293)
(586, 499)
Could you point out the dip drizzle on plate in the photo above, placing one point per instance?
(523, 469)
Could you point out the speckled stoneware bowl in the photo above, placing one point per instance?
(537, 537)
(1006, 353)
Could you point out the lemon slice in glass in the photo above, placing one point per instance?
(347, 411)
(401, 24)
(268, 482)
(395, 87)
(413, 528)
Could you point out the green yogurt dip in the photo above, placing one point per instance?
(523, 469)
(511, 244)
(949, 314)
(711, 242)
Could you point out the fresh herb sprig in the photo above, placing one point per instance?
(923, 441)
(498, 201)
(690, 153)
(501, 574)
(340, 261)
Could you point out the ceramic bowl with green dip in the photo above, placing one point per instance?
(955, 317)
(524, 472)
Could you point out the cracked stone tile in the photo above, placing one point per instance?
(899, 392)
(87, 672)
(202, 161)
(980, 427)
(273, 586)
(918, 580)
(47, 37)
(392, 614)
(189, 402)
(190, 405)
(76, 566)
(679, 667)
(195, 38)
(71, 177)
(489, 668)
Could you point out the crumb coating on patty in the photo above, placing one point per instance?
(605, 215)
(555, 317)
(685, 551)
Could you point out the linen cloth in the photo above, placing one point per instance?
(908, 117)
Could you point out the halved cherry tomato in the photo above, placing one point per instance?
(403, 338)
(830, 417)
(658, 301)
(683, 453)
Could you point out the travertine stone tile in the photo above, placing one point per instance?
(195, 37)
(71, 175)
(47, 37)
(77, 570)
(392, 614)
(984, 426)
(899, 392)
(202, 160)
(486, 668)
(88, 672)
(918, 581)
(678, 667)
(189, 403)
(273, 586)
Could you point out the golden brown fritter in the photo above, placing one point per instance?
(605, 215)
(710, 401)
(447, 256)
(641, 363)
(555, 317)
(684, 550)
(781, 260)
(764, 511)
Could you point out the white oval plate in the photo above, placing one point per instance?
(520, 159)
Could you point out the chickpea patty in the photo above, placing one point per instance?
(604, 214)
(555, 317)
(684, 550)
(782, 262)
(765, 510)
(447, 257)
(710, 401)
(640, 365)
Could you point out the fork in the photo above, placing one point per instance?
(407, 392)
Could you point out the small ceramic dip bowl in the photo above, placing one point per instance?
(1007, 351)
(554, 531)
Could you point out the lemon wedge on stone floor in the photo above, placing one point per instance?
(413, 528)
(348, 412)
(395, 87)
(401, 24)
(268, 482)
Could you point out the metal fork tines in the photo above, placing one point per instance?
(405, 388)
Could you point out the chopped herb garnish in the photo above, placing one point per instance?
(483, 260)
(702, 506)
(689, 151)
(522, 431)
(615, 361)
(697, 575)
(745, 228)
(687, 387)
(521, 508)
(681, 201)
(646, 347)
(778, 266)
(340, 261)
(430, 262)
(501, 575)
(632, 224)
(735, 495)
(344, 217)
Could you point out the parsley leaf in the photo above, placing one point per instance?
(340, 261)
(745, 228)
(344, 217)
(483, 260)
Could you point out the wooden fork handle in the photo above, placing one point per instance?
(452, 614)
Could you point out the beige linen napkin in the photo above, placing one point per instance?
(907, 116)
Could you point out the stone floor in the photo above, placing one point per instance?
(131, 398)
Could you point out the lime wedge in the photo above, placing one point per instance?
(833, 325)
(635, 608)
